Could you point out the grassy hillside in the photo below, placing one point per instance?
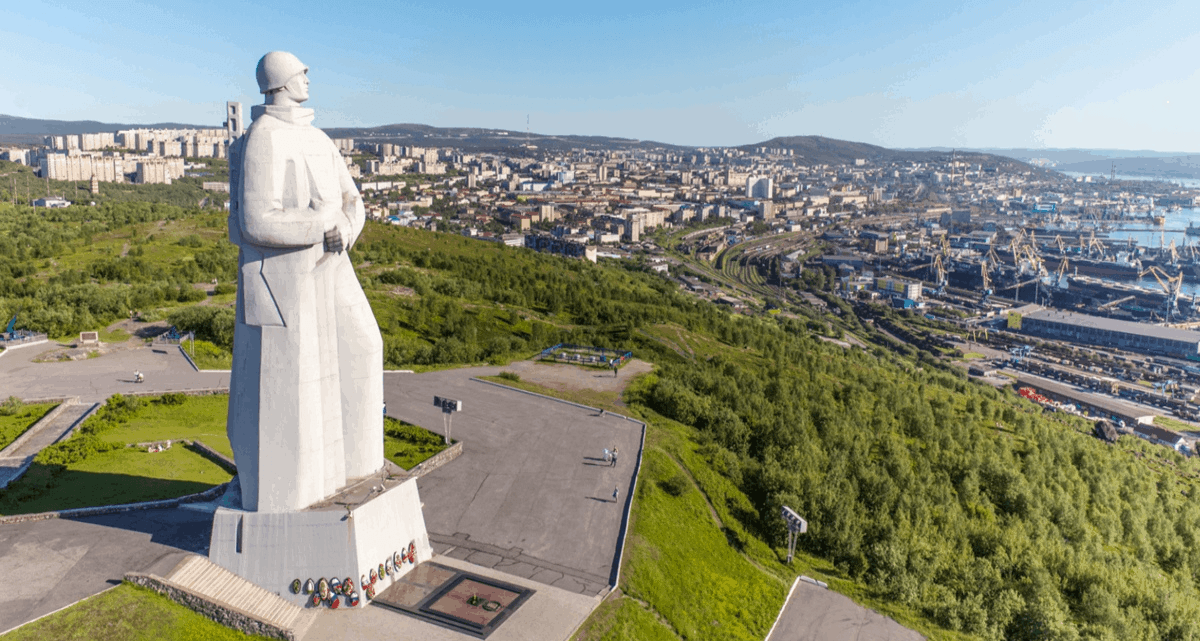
(957, 507)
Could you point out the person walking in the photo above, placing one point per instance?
(607, 456)
(616, 490)
(614, 457)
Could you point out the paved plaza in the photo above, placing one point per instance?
(529, 501)
(95, 379)
(531, 494)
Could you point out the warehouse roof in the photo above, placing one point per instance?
(1115, 325)
(1128, 411)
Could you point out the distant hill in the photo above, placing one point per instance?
(813, 149)
(31, 130)
(481, 139)
(822, 150)
(1167, 165)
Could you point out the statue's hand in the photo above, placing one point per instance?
(333, 241)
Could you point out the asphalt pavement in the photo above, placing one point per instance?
(48, 565)
(95, 379)
(813, 613)
(531, 494)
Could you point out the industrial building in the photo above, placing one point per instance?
(1110, 332)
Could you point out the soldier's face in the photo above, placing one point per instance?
(297, 87)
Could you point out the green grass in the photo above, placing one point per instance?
(198, 417)
(126, 613)
(620, 618)
(681, 563)
(1174, 424)
(209, 356)
(409, 445)
(970, 356)
(127, 475)
(14, 425)
(115, 336)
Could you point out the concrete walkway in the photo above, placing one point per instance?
(95, 379)
(15, 459)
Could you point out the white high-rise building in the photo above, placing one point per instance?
(757, 187)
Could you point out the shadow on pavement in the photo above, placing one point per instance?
(187, 530)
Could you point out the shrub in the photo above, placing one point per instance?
(11, 406)
(676, 485)
(173, 398)
(509, 376)
(410, 433)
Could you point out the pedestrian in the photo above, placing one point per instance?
(614, 457)
(615, 491)
(607, 456)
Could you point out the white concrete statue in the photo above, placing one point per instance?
(306, 391)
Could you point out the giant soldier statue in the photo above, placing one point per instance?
(306, 391)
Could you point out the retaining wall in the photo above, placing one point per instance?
(437, 460)
(79, 512)
(226, 615)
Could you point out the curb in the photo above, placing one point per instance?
(79, 512)
(4, 632)
(779, 616)
(9, 348)
(213, 455)
(437, 460)
(188, 358)
(615, 577)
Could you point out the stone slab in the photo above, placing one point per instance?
(549, 615)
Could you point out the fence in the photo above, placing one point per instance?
(569, 353)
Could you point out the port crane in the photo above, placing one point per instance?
(1062, 269)
(1163, 386)
(1062, 245)
(987, 282)
(1170, 286)
(1020, 352)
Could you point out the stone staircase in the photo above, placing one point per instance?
(235, 598)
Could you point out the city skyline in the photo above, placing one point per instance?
(1117, 75)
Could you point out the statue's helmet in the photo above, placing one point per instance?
(275, 69)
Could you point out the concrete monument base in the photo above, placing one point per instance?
(350, 535)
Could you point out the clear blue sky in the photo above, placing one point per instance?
(1092, 74)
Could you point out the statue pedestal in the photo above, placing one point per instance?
(348, 535)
